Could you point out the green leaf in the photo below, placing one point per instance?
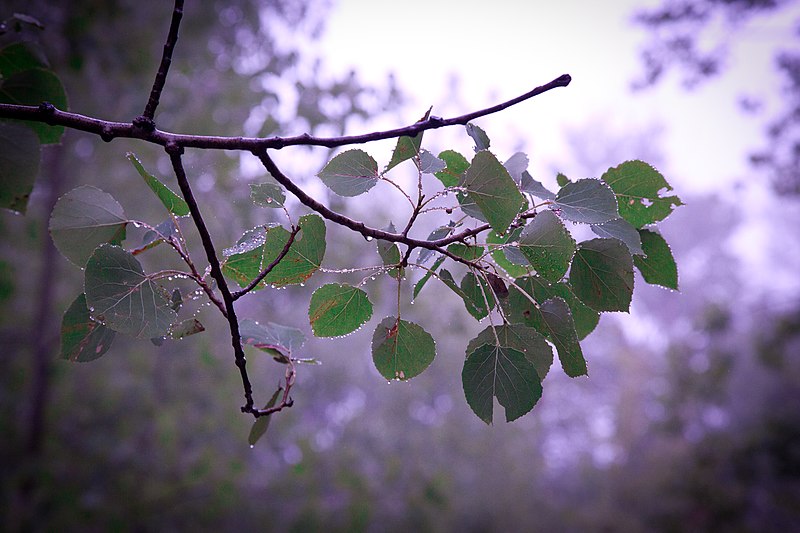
(83, 219)
(507, 256)
(261, 246)
(152, 238)
(401, 349)
(261, 424)
(476, 296)
(406, 148)
(174, 203)
(530, 185)
(32, 87)
(479, 136)
(350, 173)
(83, 339)
(190, 326)
(476, 308)
(621, 229)
(20, 56)
(466, 251)
(438, 233)
(516, 165)
(489, 185)
(521, 309)
(602, 275)
(457, 164)
(561, 332)
(503, 372)
(20, 155)
(547, 245)
(588, 201)
(421, 283)
(267, 194)
(657, 265)
(520, 337)
(638, 188)
(390, 254)
(336, 310)
(121, 296)
(429, 163)
(275, 339)
(562, 180)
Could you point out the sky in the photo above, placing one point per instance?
(502, 49)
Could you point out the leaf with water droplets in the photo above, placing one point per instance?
(123, 297)
(261, 424)
(429, 163)
(20, 155)
(516, 165)
(638, 188)
(602, 275)
(531, 186)
(476, 295)
(258, 248)
(657, 264)
(547, 245)
(421, 283)
(350, 173)
(438, 233)
(171, 201)
(83, 339)
(456, 163)
(588, 201)
(560, 328)
(390, 254)
(489, 185)
(503, 372)
(621, 229)
(507, 255)
(466, 251)
(272, 338)
(520, 337)
(478, 135)
(267, 194)
(83, 219)
(401, 349)
(190, 326)
(33, 87)
(336, 309)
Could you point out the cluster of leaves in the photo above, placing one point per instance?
(510, 241)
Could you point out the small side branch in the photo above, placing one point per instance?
(161, 76)
(267, 269)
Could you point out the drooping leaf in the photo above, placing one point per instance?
(438, 233)
(476, 296)
(32, 87)
(479, 136)
(350, 173)
(469, 207)
(390, 254)
(465, 251)
(83, 339)
(602, 275)
(639, 187)
(478, 311)
(530, 185)
(401, 349)
(621, 229)
(657, 264)
(521, 309)
(421, 283)
(20, 56)
(507, 254)
(275, 339)
(456, 163)
(547, 245)
(154, 237)
(562, 180)
(516, 165)
(83, 219)
(489, 185)
(405, 149)
(561, 332)
(267, 194)
(430, 164)
(261, 424)
(171, 201)
(520, 337)
(499, 371)
(121, 296)
(190, 326)
(337, 310)
(588, 201)
(20, 154)
(258, 248)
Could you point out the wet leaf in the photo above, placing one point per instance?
(547, 245)
(267, 194)
(171, 201)
(275, 339)
(638, 187)
(83, 339)
(401, 349)
(520, 337)
(83, 219)
(657, 264)
(337, 310)
(489, 185)
(261, 424)
(456, 163)
(350, 173)
(33, 87)
(602, 275)
(588, 201)
(479, 136)
(560, 327)
(621, 229)
(522, 310)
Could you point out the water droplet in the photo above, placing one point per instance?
(252, 446)
(369, 238)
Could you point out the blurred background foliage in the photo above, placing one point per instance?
(689, 420)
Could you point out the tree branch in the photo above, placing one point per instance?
(111, 130)
(146, 119)
(267, 269)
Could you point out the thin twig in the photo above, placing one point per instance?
(267, 269)
(110, 130)
(163, 69)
